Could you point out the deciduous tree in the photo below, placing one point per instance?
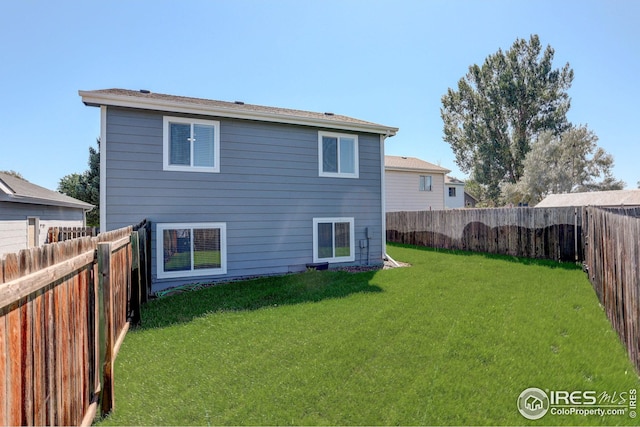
(500, 107)
(566, 163)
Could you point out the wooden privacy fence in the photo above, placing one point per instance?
(548, 233)
(64, 311)
(612, 261)
(60, 234)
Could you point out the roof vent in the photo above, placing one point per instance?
(404, 157)
(328, 114)
(238, 102)
(145, 91)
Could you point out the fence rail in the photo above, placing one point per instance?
(64, 309)
(553, 233)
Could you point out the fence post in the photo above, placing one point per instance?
(135, 302)
(94, 337)
(145, 260)
(575, 234)
(105, 296)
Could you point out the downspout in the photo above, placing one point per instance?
(103, 168)
(445, 191)
(84, 216)
(383, 196)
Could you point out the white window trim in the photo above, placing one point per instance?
(351, 222)
(356, 170)
(191, 273)
(181, 168)
(430, 187)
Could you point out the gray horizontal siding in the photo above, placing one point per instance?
(267, 192)
(20, 211)
(13, 223)
(13, 236)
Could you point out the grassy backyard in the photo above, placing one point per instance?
(452, 340)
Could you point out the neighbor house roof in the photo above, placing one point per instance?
(594, 198)
(451, 180)
(16, 190)
(181, 104)
(411, 164)
(471, 196)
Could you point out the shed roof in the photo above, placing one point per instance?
(181, 104)
(16, 190)
(402, 163)
(594, 198)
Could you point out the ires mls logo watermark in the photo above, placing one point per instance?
(534, 403)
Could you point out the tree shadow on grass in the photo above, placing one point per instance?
(246, 295)
(510, 258)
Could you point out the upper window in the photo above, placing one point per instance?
(452, 191)
(191, 145)
(333, 240)
(338, 155)
(191, 249)
(425, 183)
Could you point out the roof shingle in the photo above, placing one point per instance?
(411, 163)
(594, 198)
(159, 101)
(17, 190)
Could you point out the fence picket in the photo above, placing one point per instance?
(61, 234)
(4, 398)
(39, 361)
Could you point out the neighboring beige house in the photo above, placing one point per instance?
(613, 198)
(412, 184)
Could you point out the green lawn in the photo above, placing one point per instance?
(452, 340)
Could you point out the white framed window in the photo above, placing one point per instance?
(452, 191)
(191, 249)
(425, 183)
(338, 155)
(333, 240)
(191, 145)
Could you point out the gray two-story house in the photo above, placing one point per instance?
(236, 190)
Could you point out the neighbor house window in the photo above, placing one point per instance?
(338, 155)
(425, 183)
(452, 191)
(191, 249)
(333, 240)
(191, 145)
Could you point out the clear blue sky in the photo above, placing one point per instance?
(384, 61)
